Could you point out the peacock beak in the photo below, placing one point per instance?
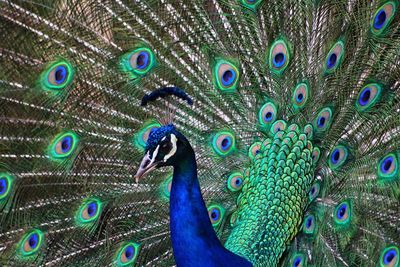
(147, 165)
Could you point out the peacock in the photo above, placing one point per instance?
(200, 133)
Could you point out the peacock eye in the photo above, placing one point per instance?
(226, 76)
(334, 57)
(223, 143)
(127, 254)
(314, 191)
(141, 60)
(323, 120)
(309, 224)
(138, 62)
(89, 211)
(300, 95)
(278, 56)
(338, 157)
(368, 96)
(382, 17)
(267, 114)
(390, 256)
(297, 260)
(254, 150)
(6, 181)
(216, 214)
(278, 126)
(31, 242)
(57, 76)
(63, 145)
(388, 166)
(140, 139)
(235, 181)
(342, 214)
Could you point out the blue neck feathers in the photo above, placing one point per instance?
(193, 238)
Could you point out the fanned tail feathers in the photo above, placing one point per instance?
(307, 87)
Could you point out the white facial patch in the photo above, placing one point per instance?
(155, 154)
(174, 148)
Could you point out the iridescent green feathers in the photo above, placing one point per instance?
(274, 195)
(294, 124)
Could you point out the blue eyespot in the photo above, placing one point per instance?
(127, 254)
(323, 120)
(279, 60)
(299, 97)
(142, 60)
(386, 164)
(380, 19)
(267, 114)
(365, 96)
(138, 62)
(334, 57)
(228, 77)
(92, 209)
(332, 61)
(60, 74)
(279, 56)
(88, 212)
(335, 156)
(31, 243)
(390, 257)
(63, 145)
(342, 213)
(309, 225)
(6, 181)
(57, 76)
(309, 222)
(388, 167)
(3, 186)
(297, 260)
(216, 213)
(368, 96)
(314, 191)
(223, 143)
(226, 143)
(66, 144)
(383, 16)
(235, 181)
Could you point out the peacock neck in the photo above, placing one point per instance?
(194, 240)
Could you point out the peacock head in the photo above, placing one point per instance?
(164, 147)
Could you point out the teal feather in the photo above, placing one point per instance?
(286, 179)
